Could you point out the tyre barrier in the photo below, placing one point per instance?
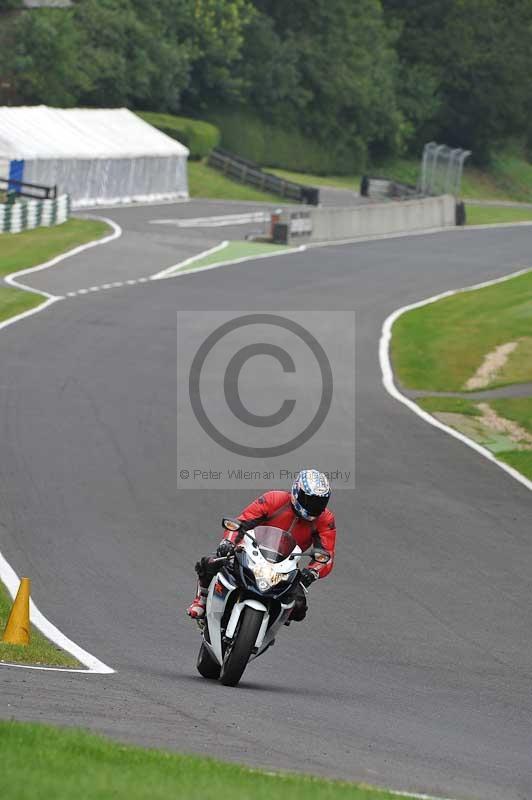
(24, 214)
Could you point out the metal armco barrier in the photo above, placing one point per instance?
(245, 171)
(384, 187)
(377, 219)
(33, 190)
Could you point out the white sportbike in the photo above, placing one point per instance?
(249, 599)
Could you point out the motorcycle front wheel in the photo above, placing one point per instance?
(237, 659)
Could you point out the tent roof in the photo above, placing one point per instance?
(32, 132)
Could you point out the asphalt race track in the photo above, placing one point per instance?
(414, 667)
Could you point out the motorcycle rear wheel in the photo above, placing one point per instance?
(206, 665)
(237, 659)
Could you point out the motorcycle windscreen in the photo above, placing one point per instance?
(274, 544)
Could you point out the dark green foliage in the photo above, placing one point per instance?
(275, 145)
(319, 84)
(473, 58)
(344, 55)
(200, 137)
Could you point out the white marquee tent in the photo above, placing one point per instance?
(97, 156)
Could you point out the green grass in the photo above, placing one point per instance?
(521, 460)
(204, 181)
(22, 250)
(508, 178)
(518, 409)
(13, 302)
(455, 405)
(27, 249)
(236, 250)
(492, 215)
(439, 346)
(336, 181)
(40, 651)
(46, 762)
(233, 251)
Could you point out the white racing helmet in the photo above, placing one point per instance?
(310, 493)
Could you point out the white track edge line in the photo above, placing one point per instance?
(7, 573)
(391, 388)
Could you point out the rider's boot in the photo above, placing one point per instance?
(196, 609)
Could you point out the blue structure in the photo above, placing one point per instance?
(16, 173)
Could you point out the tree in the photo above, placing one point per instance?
(347, 66)
(216, 35)
(471, 57)
(44, 60)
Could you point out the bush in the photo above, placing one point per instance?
(200, 137)
(273, 146)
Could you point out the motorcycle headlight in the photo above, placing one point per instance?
(266, 577)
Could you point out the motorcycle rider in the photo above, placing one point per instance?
(302, 512)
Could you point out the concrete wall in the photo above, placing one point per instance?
(329, 224)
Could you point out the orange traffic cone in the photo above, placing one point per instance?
(18, 625)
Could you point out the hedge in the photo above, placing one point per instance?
(200, 137)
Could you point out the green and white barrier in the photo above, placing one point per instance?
(23, 215)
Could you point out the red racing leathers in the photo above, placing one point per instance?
(275, 508)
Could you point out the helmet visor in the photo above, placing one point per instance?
(313, 504)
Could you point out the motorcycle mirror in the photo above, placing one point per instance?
(231, 524)
(320, 556)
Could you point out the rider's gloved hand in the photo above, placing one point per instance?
(202, 566)
(225, 549)
(308, 576)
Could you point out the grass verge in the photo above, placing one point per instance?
(351, 182)
(40, 651)
(509, 177)
(41, 761)
(231, 252)
(453, 405)
(204, 181)
(30, 248)
(493, 215)
(439, 346)
(510, 443)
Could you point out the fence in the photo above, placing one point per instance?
(249, 172)
(28, 214)
(441, 169)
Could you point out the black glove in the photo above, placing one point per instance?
(308, 576)
(225, 549)
(202, 567)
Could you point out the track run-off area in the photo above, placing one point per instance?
(413, 668)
